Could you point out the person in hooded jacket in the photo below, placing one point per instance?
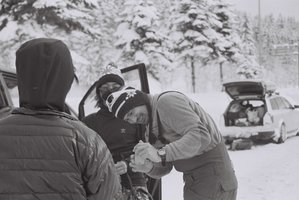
(181, 134)
(120, 136)
(46, 153)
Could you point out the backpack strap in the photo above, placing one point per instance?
(141, 132)
(160, 137)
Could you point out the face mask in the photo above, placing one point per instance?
(107, 93)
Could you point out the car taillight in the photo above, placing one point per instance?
(268, 118)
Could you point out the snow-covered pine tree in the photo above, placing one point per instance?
(78, 23)
(249, 67)
(292, 29)
(203, 33)
(228, 46)
(268, 34)
(190, 33)
(279, 37)
(139, 40)
(276, 31)
(102, 51)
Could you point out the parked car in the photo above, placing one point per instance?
(8, 91)
(257, 111)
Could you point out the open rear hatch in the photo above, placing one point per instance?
(248, 89)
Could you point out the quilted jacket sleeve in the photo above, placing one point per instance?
(96, 164)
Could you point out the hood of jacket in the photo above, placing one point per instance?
(45, 73)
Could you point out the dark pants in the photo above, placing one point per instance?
(197, 192)
(214, 180)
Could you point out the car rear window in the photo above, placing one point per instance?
(286, 103)
(281, 104)
(274, 104)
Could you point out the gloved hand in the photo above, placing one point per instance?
(146, 151)
(144, 168)
(121, 167)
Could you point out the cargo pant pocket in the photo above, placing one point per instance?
(203, 187)
(227, 177)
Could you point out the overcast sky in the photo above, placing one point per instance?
(283, 7)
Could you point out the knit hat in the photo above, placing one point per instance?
(110, 74)
(121, 102)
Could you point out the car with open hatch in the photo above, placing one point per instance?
(258, 112)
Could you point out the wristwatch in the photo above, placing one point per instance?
(162, 153)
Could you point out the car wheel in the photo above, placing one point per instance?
(283, 134)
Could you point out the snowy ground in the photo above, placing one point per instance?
(266, 172)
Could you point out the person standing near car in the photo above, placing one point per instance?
(120, 136)
(45, 152)
(189, 141)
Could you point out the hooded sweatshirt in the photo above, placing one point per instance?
(44, 152)
(45, 74)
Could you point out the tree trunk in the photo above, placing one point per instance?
(192, 73)
(221, 73)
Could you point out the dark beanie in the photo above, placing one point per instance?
(121, 102)
(110, 74)
(110, 78)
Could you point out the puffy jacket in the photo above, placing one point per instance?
(44, 152)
